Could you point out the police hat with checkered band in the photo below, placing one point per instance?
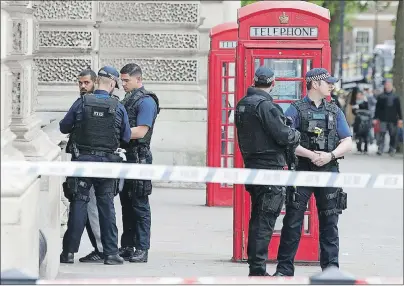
(111, 73)
(318, 74)
(264, 76)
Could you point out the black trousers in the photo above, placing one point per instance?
(136, 213)
(328, 214)
(391, 128)
(266, 205)
(78, 216)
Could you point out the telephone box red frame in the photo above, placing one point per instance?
(249, 49)
(222, 56)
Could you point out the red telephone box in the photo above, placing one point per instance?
(291, 37)
(221, 83)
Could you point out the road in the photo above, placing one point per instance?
(189, 239)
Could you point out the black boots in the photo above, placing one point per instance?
(126, 252)
(113, 259)
(66, 257)
(139, 256)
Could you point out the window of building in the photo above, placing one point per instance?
(363, 40)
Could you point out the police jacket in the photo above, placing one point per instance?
(318, 127)
(262, 133)
(97, 131)
(132, 103)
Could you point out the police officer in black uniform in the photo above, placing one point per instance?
(325, 137)
(97, 123)
(263, 137)
(142, 107)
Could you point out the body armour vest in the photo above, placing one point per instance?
(132, 103)
(318, 128)
(97, 131)
(254, 142)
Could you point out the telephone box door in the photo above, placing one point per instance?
(221, 84)
(290, 67)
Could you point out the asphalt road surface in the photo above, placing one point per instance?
(190, 239)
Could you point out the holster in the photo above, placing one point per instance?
(69, 188)
(273, 200)
(143, 187)
(342, 200)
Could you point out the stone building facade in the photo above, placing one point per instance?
(44, 45)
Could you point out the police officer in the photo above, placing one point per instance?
(263, 137)
(142, 107)
(87, 79)
(97, 124)
(325, 137)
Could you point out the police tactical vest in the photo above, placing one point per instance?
(251, 135)
(97, 131)
(132, 104)
(324, 118)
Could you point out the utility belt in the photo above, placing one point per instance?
(292, 199)
(110, 155)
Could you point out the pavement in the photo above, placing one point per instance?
(192, 240)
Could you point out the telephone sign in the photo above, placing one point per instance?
(284, 32)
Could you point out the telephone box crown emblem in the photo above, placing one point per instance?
(284, 19)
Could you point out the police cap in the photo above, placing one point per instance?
(264, 76)
(318, 74)
(111, 73)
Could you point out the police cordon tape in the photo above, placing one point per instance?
(202, 174)
(223, 281)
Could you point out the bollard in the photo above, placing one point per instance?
(332, 276)
(43, 247)
(16, 277)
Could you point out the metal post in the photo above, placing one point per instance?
(341, 38)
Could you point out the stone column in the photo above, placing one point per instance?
(230, 10)
(19, 193)
(31, 140)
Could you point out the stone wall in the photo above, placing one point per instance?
(169, 40)
(28, 203)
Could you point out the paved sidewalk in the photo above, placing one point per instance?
(189, 239)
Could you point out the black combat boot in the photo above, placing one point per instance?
(126, 252)
(279, 274)
(113, 259)
(67, 257)
(261, 274)
(139, 256)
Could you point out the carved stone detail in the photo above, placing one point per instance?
(34, 88)
(65, 39)
(146, 12)
(60, 70)
(36, 37)
(17, 3)
(63, 10)
(161, 70)
(16, 93)
(18, 36)
(149, 40)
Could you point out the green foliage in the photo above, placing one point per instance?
(244, 3)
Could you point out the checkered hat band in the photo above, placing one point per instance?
(318, 77)
(107, 75)
(270, 79)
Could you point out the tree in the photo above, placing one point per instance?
(351, 7)
(398, 67)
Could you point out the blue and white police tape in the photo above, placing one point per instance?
(203, 174)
